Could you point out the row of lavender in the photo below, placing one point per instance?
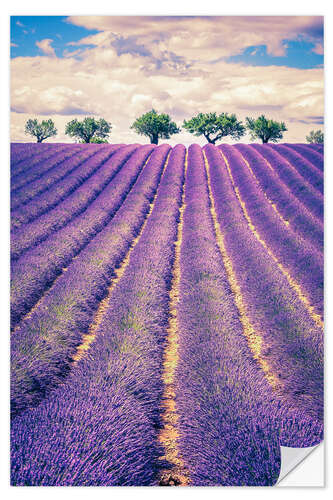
(300, 189)
(292, 211)
(25, 156)
(101, 426)
(307, 162)
(37, 173)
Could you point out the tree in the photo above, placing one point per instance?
(41, 130)
(315, 137)
(265, 129)
(214, 126)
(89, 129)
(155, 126)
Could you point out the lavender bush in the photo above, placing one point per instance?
(315, 157)
(35, 170)
(291, 210)
(308, 196)
(304, 167)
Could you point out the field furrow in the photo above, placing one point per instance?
(113, 394)
(292, 340)
(44, 344)
(175, 472)
(298, 162)
(118, 272)
(36, 270)
(21, 151)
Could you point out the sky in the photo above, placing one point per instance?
(119, 67)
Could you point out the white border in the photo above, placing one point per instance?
(142, 7)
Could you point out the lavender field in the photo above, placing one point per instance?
(166, 312)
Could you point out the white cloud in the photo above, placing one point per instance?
(203, 37)
(45, 47)
(318, 48)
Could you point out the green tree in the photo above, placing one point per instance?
(315, 136)
(214, 126)
(265, 129)
(155, 126)
(41, 130)
(89, 129)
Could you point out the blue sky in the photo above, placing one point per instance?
(25, 31)
(299, 54)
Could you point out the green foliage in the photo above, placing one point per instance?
(265, 129)
(214, 126)
(155, 126)
(315, 136)
(41, 130)
(97, 140)
(89, 129)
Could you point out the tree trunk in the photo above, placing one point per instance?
(209, 140)
(265, 140)
(154, 139)
(40, 139)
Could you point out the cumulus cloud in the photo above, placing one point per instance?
(46, 47)
(204, 37)
(118, 75)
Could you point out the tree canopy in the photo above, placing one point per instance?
(265, 129)
(89, 129)
(214, 126)
(155, 126)
(42, 130)
(315, 136)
